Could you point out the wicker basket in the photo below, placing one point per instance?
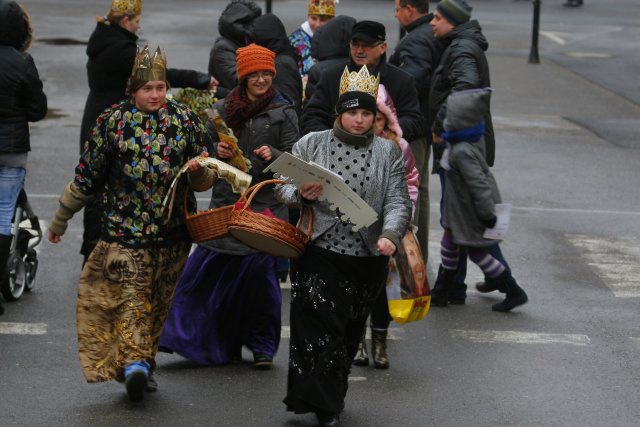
(207, 225)
(269, 235)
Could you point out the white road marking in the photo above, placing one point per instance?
(9, 328)
(615, 261)
(356, 379)
(516, 337)
(554, 37)
(393, 334)
(588, 55)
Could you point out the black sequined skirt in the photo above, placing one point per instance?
(331, 297)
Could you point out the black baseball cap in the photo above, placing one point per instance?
(369, 32)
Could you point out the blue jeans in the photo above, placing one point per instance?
(11, 181)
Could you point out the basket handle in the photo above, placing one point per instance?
(254, 190)
(256, 187)
(185, 208)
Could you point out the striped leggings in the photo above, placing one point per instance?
(449, 253)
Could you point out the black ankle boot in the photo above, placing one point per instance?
(362, 357)
(516, 296)
(442, 287)
(490, 285)
(379, 348)
(327, 419)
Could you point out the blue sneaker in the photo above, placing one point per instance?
(136, 376)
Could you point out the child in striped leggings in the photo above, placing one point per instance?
(470, 197)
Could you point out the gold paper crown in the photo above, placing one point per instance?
(128, 7)
(322, 7)
(148, 69)
(360, 81)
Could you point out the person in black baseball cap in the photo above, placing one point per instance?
(368, 43)
(367, 47)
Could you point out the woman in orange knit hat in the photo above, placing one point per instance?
(229, 295)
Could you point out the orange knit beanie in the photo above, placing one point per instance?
(254, 58)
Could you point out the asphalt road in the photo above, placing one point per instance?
(567, 159)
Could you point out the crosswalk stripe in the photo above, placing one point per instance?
(516, 337)
(392, 333)
(615, 261)
(10, 328)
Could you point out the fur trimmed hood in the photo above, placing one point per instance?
(386, 107)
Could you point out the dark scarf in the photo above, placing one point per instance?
(240, 108)
(350, 138)
(470, 134)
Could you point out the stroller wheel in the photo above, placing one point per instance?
(31, 268)
(14, 280)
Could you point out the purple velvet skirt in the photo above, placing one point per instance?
(221, 303)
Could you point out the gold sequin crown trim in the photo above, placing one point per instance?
(322, 7)
(148, 68)
(128, 7)
(360, 81)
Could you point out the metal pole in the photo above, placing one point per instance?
(269, 6)
(533, 56)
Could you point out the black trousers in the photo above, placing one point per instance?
(331, 297)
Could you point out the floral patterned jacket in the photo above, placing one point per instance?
(129, 163)
(301, 42)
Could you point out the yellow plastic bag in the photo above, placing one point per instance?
(408, 292)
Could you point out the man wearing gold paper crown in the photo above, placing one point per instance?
(320, 12)
(343, 269)
(368, 47)
(133, 153)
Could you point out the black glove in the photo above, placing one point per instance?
(490, 223)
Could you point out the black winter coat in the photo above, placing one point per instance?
(319, 113)
(112, 52)
(418, 53)
(463, 66)
(269, 32)
(329, 47)
(234, 27)
(21, 97)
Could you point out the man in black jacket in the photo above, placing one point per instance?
(463, 66)
(414, 17)
(368, 47)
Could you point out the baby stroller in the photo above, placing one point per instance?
(20, 272)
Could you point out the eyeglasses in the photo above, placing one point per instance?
(400, 7)
(359, 45)
(265, 75)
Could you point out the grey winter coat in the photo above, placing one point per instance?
(385, 191)
(463, 66)
(471, 191)
(277, 127)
